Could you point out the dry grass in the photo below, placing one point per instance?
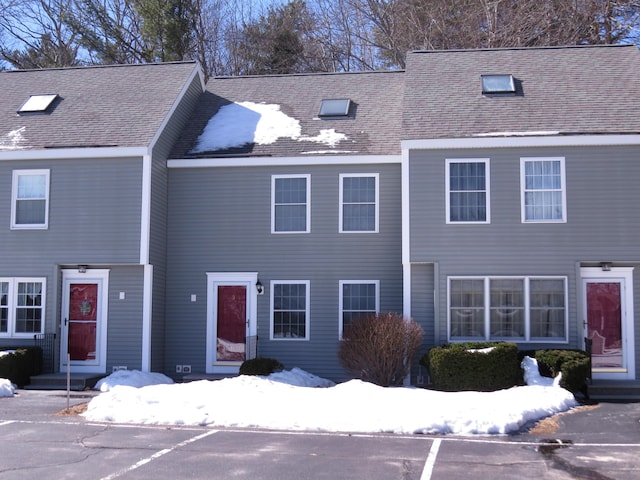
(73, 410)
(550, 425)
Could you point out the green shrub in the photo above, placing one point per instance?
(455, 367)
(379, 348)
(18, 367)
(574, 365)
(260, 366)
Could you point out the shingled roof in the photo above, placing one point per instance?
(104, 106)
(372, 126)
(566, 90)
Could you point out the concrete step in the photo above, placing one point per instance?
(615, 390)
(58, 381)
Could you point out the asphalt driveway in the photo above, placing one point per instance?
(596, 442)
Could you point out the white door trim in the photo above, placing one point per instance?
(625, 276)
(101, 277)
(214, 279)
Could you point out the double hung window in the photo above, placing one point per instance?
(358, 298)
(290, 203)
(523, 309)
(467, 182)
(543, 189)
(30, 199)
(21, 306)
(290, 310)
(358, 203)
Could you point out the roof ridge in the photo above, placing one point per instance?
(100, 66)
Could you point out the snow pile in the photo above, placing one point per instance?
(7, 389)
(280, 402)
(532, 374)
(131, 378)
(243, 123)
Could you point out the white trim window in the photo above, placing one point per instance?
(543, 189)
(22, 303)
(519, 309)
(289, 310)
(359, 200)
(467, 185)
(358, 298)
(290, 204)
(30, 199)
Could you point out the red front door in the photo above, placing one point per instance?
(82, 321)
(231, 323)
(604, 323)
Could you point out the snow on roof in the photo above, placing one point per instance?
(242, 123)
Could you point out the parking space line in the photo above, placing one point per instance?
(6, 423)
(158, 454)
(431, 460)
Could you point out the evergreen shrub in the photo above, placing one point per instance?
(463, 366)
(574, 365)
(260, 366)
(20, 365)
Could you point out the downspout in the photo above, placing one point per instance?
(147, 288)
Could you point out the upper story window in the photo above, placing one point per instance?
(290, 204)
(358, 203)
(358, 298)
(290, 310)
(543, 190)
(467, 183)
(523, 309)
(21, 306)
(30, 199)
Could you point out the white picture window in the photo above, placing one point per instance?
(290, 310)
(290, 203)
(543, 189)
(359, 202)
(22, 303)
(30, 199)
(358, 298)
(519, 309)
(467, 185)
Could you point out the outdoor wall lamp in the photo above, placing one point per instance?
(259, 287)
(82, 268)
(605, 266)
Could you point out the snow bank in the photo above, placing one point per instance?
(7, 389)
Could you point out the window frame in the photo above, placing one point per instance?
(272, 309)
(524, 191)
(487, 190)
(274, 179)
(341, 309)
(14, 199)
(528, 338)
(12, 306)
(376, 177)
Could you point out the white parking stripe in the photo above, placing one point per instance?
(431, 460)
(6, 423)
(158, 454)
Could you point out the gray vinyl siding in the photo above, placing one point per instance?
(602, 222)
(94, 215)
(158, 227)
(124, 330)
(220, 221)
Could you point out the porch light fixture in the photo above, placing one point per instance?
(605, 266)
(259, 287)
(82, 269)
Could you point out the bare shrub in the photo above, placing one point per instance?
(379, 348)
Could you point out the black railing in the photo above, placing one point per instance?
(47, 342)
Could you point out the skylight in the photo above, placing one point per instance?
(37, 103)
(334, 107)
(498, 84)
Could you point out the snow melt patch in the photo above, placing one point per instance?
(13, 139)
(242, 123)
(278, 402)
(7, 389)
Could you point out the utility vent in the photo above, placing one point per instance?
(37, 103)
(335, 107)
(498, 84)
